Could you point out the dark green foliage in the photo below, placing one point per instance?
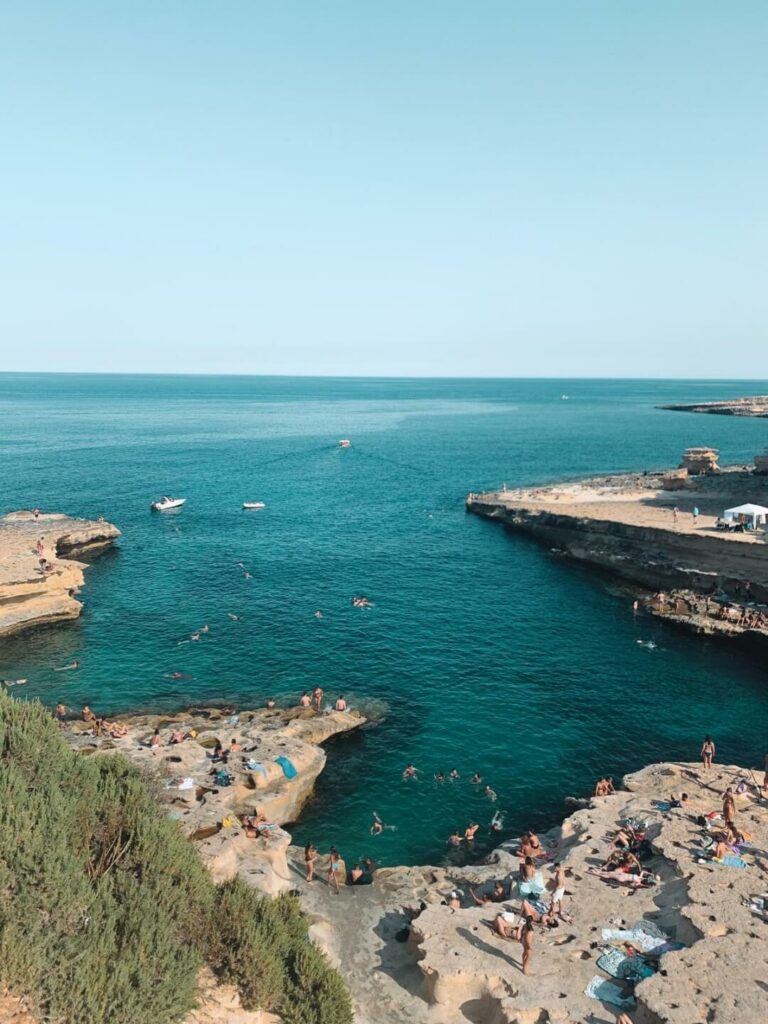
(107, 912)
(263, 948)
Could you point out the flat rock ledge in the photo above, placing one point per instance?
(33, 596)
(209, 813)
(453, 968)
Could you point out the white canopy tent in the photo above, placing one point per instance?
(756, 515)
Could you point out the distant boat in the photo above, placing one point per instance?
(345, 443)
(254, 504)
(166, 503)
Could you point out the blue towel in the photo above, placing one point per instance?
(288, 768)
(662, 805)
(607, 992)
(257, 766)
(733, 862)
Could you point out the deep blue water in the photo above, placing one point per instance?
(482, 652)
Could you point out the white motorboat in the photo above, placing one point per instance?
(166, 503)
(254, 504)
(345, 443)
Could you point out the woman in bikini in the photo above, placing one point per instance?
(334, 867)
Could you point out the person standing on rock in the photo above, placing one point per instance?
(708, 751)
(305, 700)
(695, 515)
(334, 869)
(317, 696)
(310, 857)
(675, 513)
(556, 906)
(526, 941)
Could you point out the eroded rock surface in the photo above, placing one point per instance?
(31, 595)
(455, 969)
(201, 804)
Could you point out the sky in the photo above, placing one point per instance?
(402, 188)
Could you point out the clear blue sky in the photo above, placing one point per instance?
(415, 187)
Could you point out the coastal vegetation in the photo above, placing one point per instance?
(108, 914)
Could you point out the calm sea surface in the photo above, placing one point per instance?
(483, 652)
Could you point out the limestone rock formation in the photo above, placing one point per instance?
(754, 406)
(700, 460)
(209, 812)
(32, 594)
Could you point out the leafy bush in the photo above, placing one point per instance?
(108, 912)
(264, 949)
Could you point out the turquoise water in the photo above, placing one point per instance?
(482, 652)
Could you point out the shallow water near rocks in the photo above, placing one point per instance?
(484, 652)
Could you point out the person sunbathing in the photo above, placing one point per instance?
(507, 924)
(622, 877)
(496, 896)
(540, 914)
(177, 736)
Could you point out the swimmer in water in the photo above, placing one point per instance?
(454, 838)
(204, 629)
(235, 618)
(378, 825)
(469, 832)
(318, 614)
(410, 772)
(491, 794)
(453, 775)
(477, 779)
(195, 636)
(497, 822)
(440, 777)
(177, 675)
(68, 668)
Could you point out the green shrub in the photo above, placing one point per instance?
(108, 912)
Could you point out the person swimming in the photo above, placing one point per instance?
(378, 825)
(439, 776)
(453, 775)
(477, 779)
(235, 618)
(497, 822)
(68, 668)
(411, 772)
(491, 794)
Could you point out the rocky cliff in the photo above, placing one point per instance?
(32, 592)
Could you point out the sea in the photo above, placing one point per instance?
(482, 651)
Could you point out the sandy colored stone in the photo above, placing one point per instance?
(454, 969)
(29, 597)
(297, 734)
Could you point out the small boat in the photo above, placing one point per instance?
(165, 503)
(345, 443)
(254, 504)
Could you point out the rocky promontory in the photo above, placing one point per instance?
(659, 531)
(271, 757)
(754, 406)
(40, 586)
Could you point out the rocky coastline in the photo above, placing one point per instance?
(35, 592)
(641, 527)
(757, 406)
(409, 957)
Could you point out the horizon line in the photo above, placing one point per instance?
(360, 377)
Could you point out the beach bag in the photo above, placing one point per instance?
(223, 778)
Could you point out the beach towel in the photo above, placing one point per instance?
(628, 968)
(731, 861)
(662, 805)
(286, 764)
(257, 766)
(607, 992)
(636, 937)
